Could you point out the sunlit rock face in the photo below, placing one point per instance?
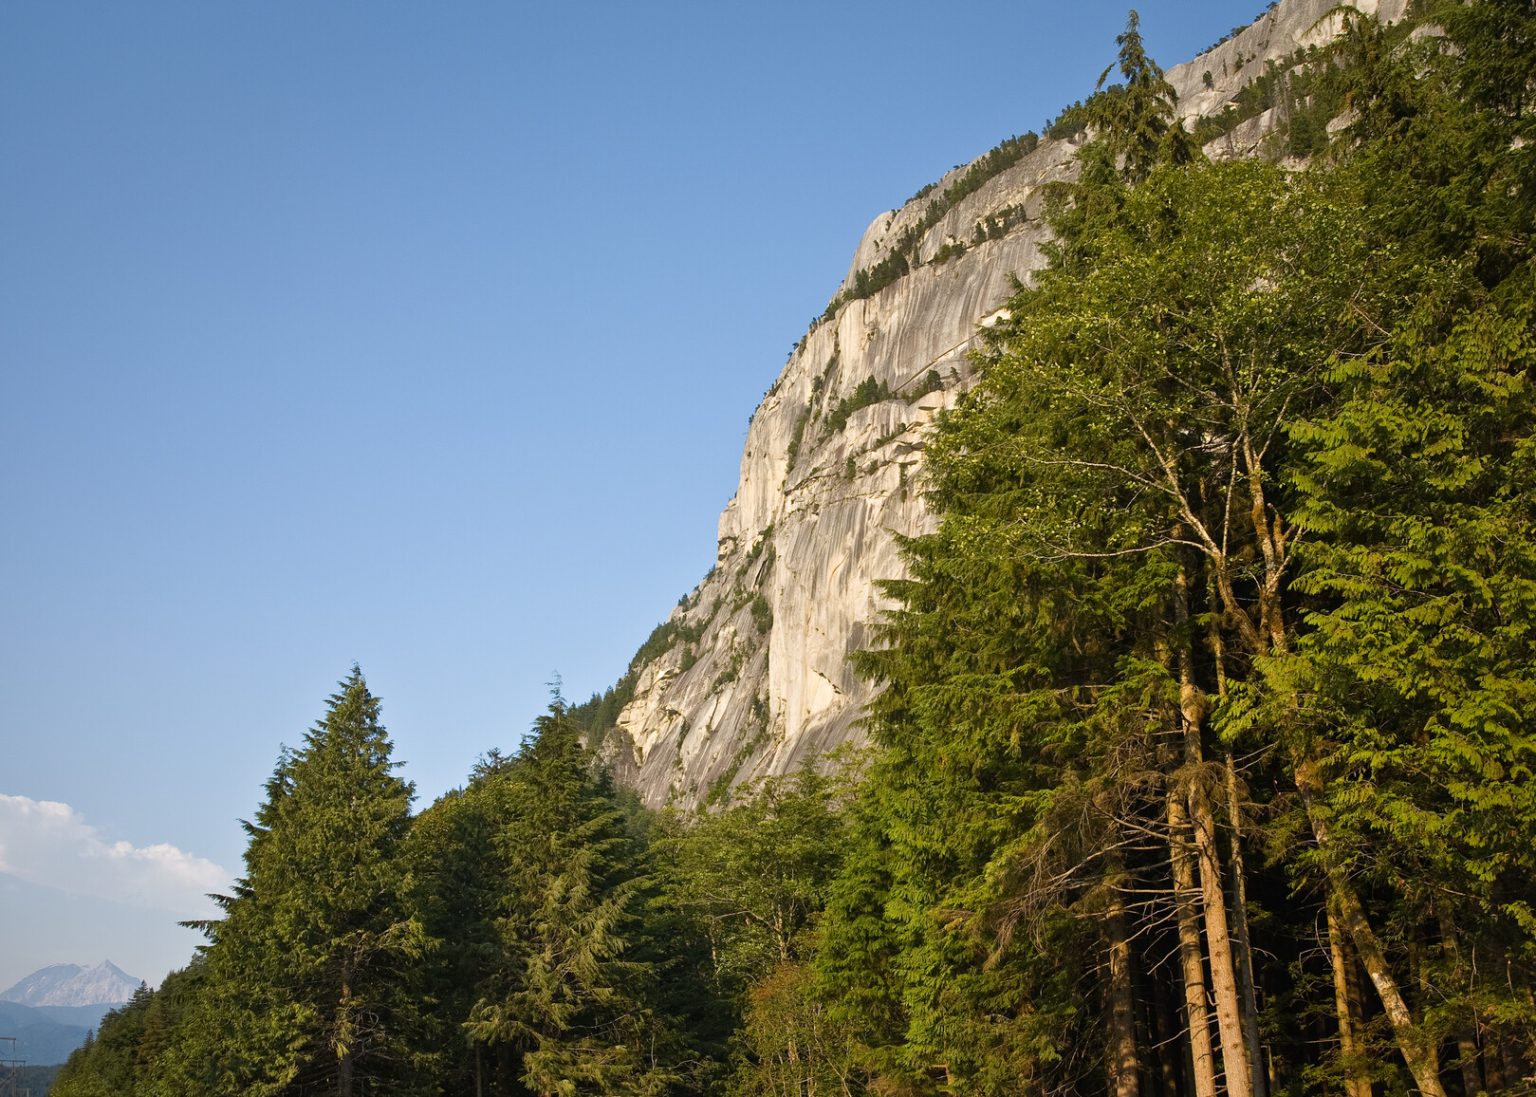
(759, 680)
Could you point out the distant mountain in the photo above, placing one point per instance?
(40, 1040)
(77, 1016)
(73, 985)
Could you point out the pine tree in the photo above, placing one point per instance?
(1135, 120)
(566, 1005)
(310, 974)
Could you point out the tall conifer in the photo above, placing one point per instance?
(310, 974)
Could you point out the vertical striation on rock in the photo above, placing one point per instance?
(757, 679)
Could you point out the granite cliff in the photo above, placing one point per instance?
(750, 675)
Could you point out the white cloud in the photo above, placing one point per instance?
(49, 843)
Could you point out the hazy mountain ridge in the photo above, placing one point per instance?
(41, 1039)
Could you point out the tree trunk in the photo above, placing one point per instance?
(1265, 632)
(1493, 1062)
(1165, 1029)
(1234, 1047)
(1415, 1049)
(1125, 1069)
(1420, 980)
(1229, 1022)
(1241, 942)
(1514, 1061)
(344, 1043)
(1466, 1038)
(1203, 1059)
(1346, 1003)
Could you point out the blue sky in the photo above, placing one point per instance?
(421, 336)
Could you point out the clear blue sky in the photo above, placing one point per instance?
(418, 335)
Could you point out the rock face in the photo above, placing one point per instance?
(757, 680)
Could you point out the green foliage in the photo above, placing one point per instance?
(1135, 120)
(755, 874)
(903, 255)
(996, 225)
(789, 1042)
(1422, 646)
(762, 613)
(1072, 122)
(1241, 515)
(764, 541)
(311, 981)
(951, 249)
(313, 965)
(867, 393)
(122, 1056)
(564, 1000)
(1222, 363)
(796, 437)
(600, 712)
(1308, 90)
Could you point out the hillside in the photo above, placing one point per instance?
(750, 675)
(1203, 755)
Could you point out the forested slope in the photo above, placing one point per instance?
(1203, 734)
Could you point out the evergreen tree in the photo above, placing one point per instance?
(458, 887)
(1135, 120)
(566, 1006)
(749, 882)
(310, 976)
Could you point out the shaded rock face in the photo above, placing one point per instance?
(759, 680)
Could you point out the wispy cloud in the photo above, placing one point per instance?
(49, 843)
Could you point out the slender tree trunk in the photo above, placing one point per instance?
(1513, 1058)
(1263, 1078)
(1270, 637)
(1125, 1068)
(344, 1044)
(1415, 1049)
(1419, 979)
(1346, 1003)
(1203, 1059)
(1241, 942)
(1466, 1038)
(1265, 631)
(1165, 1030)
(1412, 1044)
(1506, 1056)
(1234, 1047)
(1229, 1022)
(1466, 1052)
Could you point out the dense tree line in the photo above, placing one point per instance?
(1204, 758)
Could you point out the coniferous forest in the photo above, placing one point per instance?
(1204, 758)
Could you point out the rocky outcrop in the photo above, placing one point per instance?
(757, 679)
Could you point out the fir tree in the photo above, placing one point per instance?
(312, 972)
(566, 1006)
